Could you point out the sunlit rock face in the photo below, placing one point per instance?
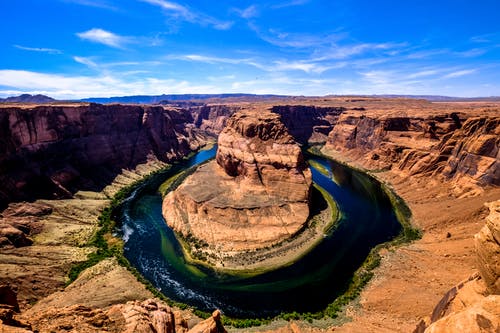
(256, 193)
(445, 145)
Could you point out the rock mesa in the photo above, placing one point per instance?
(255, 195)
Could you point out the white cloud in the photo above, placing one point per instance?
(343, 52)
(290, 3)
(76, 87)
(423, 74)
(273, 66)
(427, 53)
(249, 12)
(92, 3)
(472, 52)
(295, 40)
(459, 73)
(308, 67)
(101, 36)
(210, 60)
(38, 49)
(178, 11)
(85, 61)
(486, 38)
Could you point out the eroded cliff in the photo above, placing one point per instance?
(452, 145)
(52, 151)
(255, 195)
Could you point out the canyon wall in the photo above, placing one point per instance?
(465, 150)
(212, 118)
(52, 151)
(308, 123)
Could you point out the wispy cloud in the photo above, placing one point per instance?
(486, 38)
(472, 52)
(270, 66)
(459, 73)
(295, 40)
(85, 61)
(73, 87)
(101, 36)
(38, 49)
(290, 3)
(423, 73)
(92, 3)
(210, 59)
(247, 13)
(427, 53)
(178, 11)
(308, 67)
(346, 51)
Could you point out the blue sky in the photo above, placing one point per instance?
(84, 48)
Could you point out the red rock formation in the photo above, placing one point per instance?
(308, 124)
(212, 118)
(473, 305)
(149, 316)
(476, 151)
(52, 151)
(255, 196)
(436, 145)
(487, 243)
(19, 221)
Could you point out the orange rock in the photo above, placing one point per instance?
(483, 316)
(210, 325)
(255, 195)
(487, 243)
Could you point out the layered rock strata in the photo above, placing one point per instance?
(255, 195)
(53, 151)
(309, 124)
(465, 150)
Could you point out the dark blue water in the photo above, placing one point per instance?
(306, 286)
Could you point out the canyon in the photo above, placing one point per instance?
(69, 161)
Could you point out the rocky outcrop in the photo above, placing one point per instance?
(476, 152)
(487, 243)
(473, 305)
(212, 324)
(444, 145)
(20, 221)
(481, 317)
(52, 151)
(255, 195)
(149, 316)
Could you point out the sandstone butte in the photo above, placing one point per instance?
(255, 195)
(441, 158)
